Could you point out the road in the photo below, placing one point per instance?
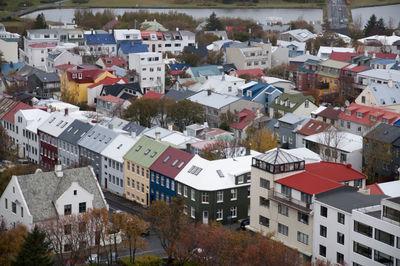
(337, 14)
(31, 9)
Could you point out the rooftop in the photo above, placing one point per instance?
(171, 162)
(278, 156)
(212, 99)
(342, 141)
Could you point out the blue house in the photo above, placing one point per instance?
(295, 48)
(260, 92)
(163, 172)
(101, 44)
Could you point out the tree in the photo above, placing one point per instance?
(11, 241)
(260, 140)
(213, 23)
(5, 144)
(222, 149)
(330, 141)
(40, 22)
(215, 58)
(189, 58)
(185, 113)
(206, 38)
(374, 26)
(142, 111)
(35, 250)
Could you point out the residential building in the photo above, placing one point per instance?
(284, 84)
(300, 35)
(46, 85)
(260, 92)
(241, 122)
(378, 76)
(163, 172)
(325, 52)
(249, 55)
(100, 44)
(61, 57)
(254, 73)
(95, 90)
(279, 56)
(224, 84)
(137, 163)
(124, 91)
(283, 195)
(379, 63)
(9, 49)
(204, 71)
(216, 190)
(330, 115)
(295, 48)
(7, 35)
(8, 120)
(349, 86)
(381, 95)
(37, 198)
(337, 146)
(391, 188)
(152, 25)
(48, 133)
(112, 175)
(295, 103)
(357, 119)
(27, 138)
(328, 76)
(286, 128)
(76, 36)
(35, 54)
(68, 148)
(108, 62)
(310, 128)
(109, 105)
(150, 69)
(333, 223)
(307, 75)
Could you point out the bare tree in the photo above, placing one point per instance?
(331, 140)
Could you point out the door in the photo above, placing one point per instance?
(105, 183)
(205, 217)
(153, 48)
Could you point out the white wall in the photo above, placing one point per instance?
(9, 50)
(108, 171)
(68, 197)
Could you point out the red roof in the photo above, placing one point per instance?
(176, 72)
(152, 95)
(87, 75)
(356, 68)
(42, 45)
(172, 166)
(346, 56)
(9, 116)
(313, 127)
(379, 113)
(65, 66)
(330, 112)
(374, 189)
(236, 28)
(110, 98)
(245, 117)
(254, 73)
(114, 61)
(108, 81)
(146, 34)
(321, 177)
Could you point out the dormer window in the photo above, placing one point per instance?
(248, 93)
(359, 115)
(348, 112)
(386, 121)
(372, 118)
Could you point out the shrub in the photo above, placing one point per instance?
(146, 260)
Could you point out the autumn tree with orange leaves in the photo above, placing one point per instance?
(260, 140)
(11, 240)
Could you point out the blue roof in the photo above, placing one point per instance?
(100, 38)
(6, 68)
(383, 61)
(255, 90)
(137, 47)
(175, 67)
(226, 45)
(397, 123)
(396, 65)
(205, 71)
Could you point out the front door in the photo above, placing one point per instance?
(205, 217)
(105, 183)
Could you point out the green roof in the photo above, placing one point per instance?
(331, 64)
(297, 99)
(146, 151)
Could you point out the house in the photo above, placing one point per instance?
(337, 146)
(249, 55)
(112, 176)
(108, 62)
(386, 42)
(9, 49)
(61, 57)
(95, 90)
(325, 52)
(45, 85)
(216, 104)
(260, 92)
(178, 95)
(283, 195)
(349, 85)
(168, 41)
(127, 48)
(333, 223)
(28, 121)
(330, 115)
(36, 198)
(283, 84)
(4, 34)
(100, 44)
(109, 105)
(307, 75)
(241, 122)
(295, 48)
(177, 69)
(76, 36)
(286, 128)
(310, 128)
(35, 54)
(137, 163)
(177, 139)
(357, 119)
(300, 35)
(379, 63)
(379, 139)
(68, 148)
(48, 133)
(133, 128)
(124, 91)
(163, 172)
(150, 69)
(390, 188)
(381, 95)
(328, 76)
(377, 75)
(216, 190)
(296, 103)
(203, 71)
(224, 84)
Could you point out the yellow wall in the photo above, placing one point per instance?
(333, 87)
(136, 183)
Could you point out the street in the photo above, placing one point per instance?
(337, 14)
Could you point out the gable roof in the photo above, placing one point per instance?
(56, 124)
(146, 151)
(313, 127)
(10, 114)
(75, 131)
(117, 88)
(114, 61)
(108, 81)
(97, 138)
(348, 142)
(133, 127)
(118, 147)
(88, 75)
(253, 73)
(99, 38)
(10, 67)
(245, 117)
(302, 35)
(47, 77)
(296, 98)
(384, 133)
(5, 105)
(330, 112)
(171, 162)
(367, 112)
(41, 189)
(200, 50)
(382, 74)
(385, 95)
(152, 95)
(34, 118)
(391, 188)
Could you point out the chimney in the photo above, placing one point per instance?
(177, 29)
(170, 127)
(158, 135)
(205, 124)
(188, 147)
(208, 92)
(365, 53)
(66, 111)
(390, 83)
(373, 56)
(197, 45)
(58, 170)
(91, 31)
(278, 145)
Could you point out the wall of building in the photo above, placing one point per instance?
(9, 50)
(136, 182)
(114, 172)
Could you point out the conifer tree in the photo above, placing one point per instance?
(213, 23)
(40, 22)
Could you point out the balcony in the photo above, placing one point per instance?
(289, 201)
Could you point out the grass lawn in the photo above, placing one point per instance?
(365, 3)
(14, 5)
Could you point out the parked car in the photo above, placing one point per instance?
(244, 223)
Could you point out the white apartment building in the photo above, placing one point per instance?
(9, 50)
(333, 222)
(126, 34)
(27, 138)
(35, 54)
(150, 68)
(249, 55)
(168, 41)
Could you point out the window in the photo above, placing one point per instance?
(322, 250)
(82, 207)
(233, 194)
(340, 218)
(192, 213)
(234, 212)
(264, 183)
(384, 237)
(264, 202)
(363, 99)
(324, 211)
(220, 214)
(263, 221)
(204, 197)
(339, 258)
(305, 197)
(22, 211)
(340, 238)
(240, 179)
(362, 228)
(302, 217)
(283, 229)
(303, 238)
(220, 196)
(14, 207)
(322, 231)
(358, 183)
(391, 213)
(6, 202)
(283, 209)
(286, 190)
(67, 209)
(185, 191)
(67, 229)
(362, 250)
(179, 189)
(383, 258)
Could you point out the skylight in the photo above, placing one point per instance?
(147, 152)
(154, 154)
(311, 125)
(195, 170)
(166, 159)
(98, 135)
(76, 131)
(69, 129)
(91, 134)
(318, 128)
(175, 162)
(180, 165)
(52, 120)
(59, 123)
(63, 125)
(138, 148)
(219, 172)
(107, 141)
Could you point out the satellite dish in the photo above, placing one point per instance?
(342, 109)
(347, 103)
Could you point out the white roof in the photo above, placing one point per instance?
(34, 117)
(119, 35)
(217, 45)
(119, 147)
(272, 80)
(90, 117)
(385, 40)
(385, 95)
(391, 189)
(302, 35)
(382, 74)
(222, 84)
(304, 57)
(328, 50)
(56, 124)
(215, 100)
(303, 153)
(318, 110)
(58, 105)
(301, 46)
(248, 84)
(179, 139)
(208, 179)
(344, 141)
